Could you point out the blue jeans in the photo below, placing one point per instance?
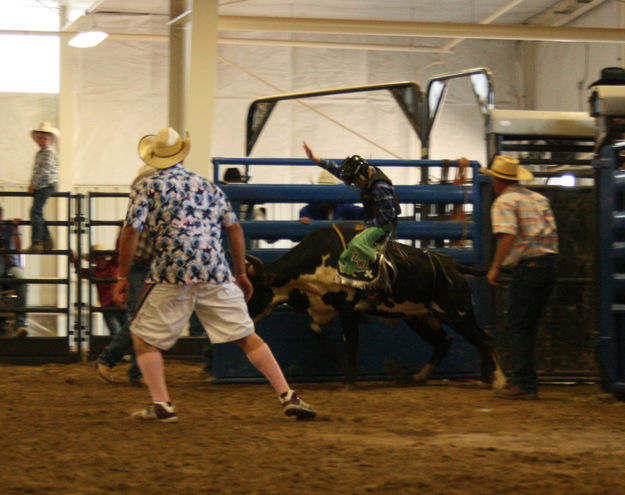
(121, 343)
(40, 232)
(115, 321)
(532, 282)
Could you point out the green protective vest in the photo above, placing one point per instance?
(361, 251)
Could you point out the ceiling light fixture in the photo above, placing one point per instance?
(87, 39)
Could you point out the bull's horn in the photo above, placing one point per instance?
(254, 265)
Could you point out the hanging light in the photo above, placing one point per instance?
(87, 39)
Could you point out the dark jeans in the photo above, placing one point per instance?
(531, 284)
(197, 330)
(40, 232)
(21, 290)
(115, 321)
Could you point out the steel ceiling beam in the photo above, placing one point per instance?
(421, 29)
(386, 28)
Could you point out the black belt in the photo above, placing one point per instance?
(547, 256)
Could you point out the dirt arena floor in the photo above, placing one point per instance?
(63, 431)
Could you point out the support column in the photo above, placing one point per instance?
(65, 149)
(178, 40)
(200, 97)
(67, 107)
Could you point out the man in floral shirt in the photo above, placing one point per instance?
(184, 214)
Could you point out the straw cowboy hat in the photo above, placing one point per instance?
(610, 76)
(326, 177)
(508, 168)
(164, 149)
(141, 173)
(45, 127)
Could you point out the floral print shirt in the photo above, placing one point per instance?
(184, 213)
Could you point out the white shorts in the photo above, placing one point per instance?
(165, 311)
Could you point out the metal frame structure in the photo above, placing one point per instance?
(407, 94)
(40, 349)
(611, 266)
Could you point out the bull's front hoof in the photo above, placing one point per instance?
(399, 373)
(500, 381)
(424, 375)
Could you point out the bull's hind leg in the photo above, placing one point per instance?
(490, 372)
(432, 332)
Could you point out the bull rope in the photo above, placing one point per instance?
(340, 234)
(432, 255)
(457, 212)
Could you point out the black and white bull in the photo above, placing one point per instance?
(429, 290)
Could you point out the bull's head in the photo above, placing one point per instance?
(260, 303)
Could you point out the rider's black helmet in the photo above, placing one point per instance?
(354, 167)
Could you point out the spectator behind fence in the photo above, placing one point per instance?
(43, 184)
(10, 267)
(103, 266)
(185, 214)
(330, 211)
(247, 211)
(232, 175)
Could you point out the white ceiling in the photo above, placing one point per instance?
(150, 17)
(468, 11)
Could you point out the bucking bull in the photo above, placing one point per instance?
(428, 290)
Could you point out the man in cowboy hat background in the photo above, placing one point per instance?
(42, 183)
(527, 242)
(185, 214)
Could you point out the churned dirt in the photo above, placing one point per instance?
(63, 431)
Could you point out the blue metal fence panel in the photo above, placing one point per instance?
(611, 265)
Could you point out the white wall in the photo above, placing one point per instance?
(561, 72)
(121, 94)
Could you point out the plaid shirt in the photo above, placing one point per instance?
(145, 246)
(46, 169)
(184, 214)
(527, 215)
